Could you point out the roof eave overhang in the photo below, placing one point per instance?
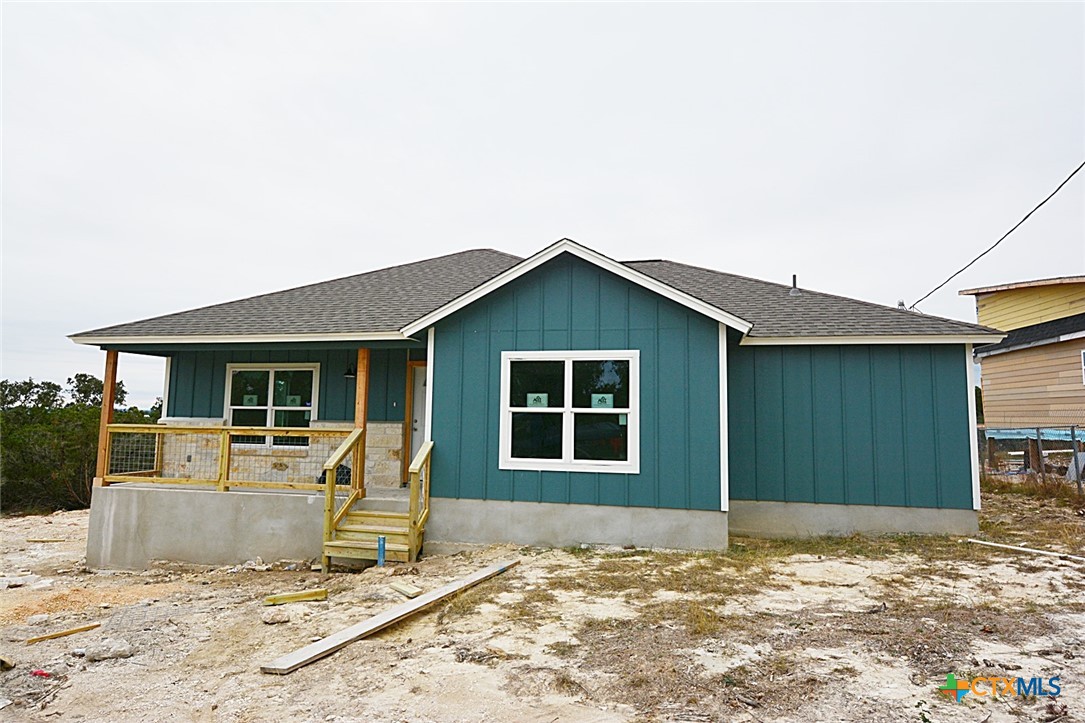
(593, 257)
(873, 339)
(1032, 344)
(107, 340)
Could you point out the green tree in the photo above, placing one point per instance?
(49, 440)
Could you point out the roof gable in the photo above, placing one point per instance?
(569, 246)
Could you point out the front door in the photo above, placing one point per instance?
(418, 408)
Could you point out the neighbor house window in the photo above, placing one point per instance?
(281, 395)
(572, 410)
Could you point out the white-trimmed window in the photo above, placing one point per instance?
(271, 395)
(570, 410)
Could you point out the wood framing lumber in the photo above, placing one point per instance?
(315, 651)
(1049, 553)
(62, 633)
(300, 596)
(405, 588)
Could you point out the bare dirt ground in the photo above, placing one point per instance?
(851, 629)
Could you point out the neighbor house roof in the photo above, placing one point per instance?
(1067, 328)
(390, 303)
(1054, 281)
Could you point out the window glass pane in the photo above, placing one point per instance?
(291, 418)
(248, 388)
(537, 384)
(536, 436)
(294, 388)
(601, 384)
(600, 436)
(250, 418)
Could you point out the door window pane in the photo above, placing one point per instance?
(249, 389)
(600, 436)
(601, 384)
(536, 436)
(537, 384)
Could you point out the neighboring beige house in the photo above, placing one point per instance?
(1035, 377)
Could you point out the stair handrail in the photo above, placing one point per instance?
(419, 471)
(331, 516)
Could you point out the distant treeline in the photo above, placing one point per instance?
(49, 441)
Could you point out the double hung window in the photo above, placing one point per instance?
(571, 410)
(271, 396)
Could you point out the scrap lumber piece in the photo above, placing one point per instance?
(300, 596)
(45, 539)
(62, 633)
(1049, 553)
(406, 588)
(315, 651)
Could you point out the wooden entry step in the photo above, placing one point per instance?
(356, 536)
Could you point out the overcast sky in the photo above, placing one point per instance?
(159, 157)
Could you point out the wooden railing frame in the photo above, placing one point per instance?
(419, 472)
(350, 446)
(223, 483)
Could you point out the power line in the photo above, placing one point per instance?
(996, 243)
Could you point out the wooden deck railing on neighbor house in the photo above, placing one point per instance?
(232, 457)
(418, 507)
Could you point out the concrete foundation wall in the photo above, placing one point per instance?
(129, 526)
(801, 519)
(558, 525)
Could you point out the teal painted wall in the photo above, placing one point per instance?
(870, 425)
(570, 304)
(197, 381)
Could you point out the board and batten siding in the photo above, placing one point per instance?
(197, 383)
(1015, 308)
(569, 304)
(849, 424)
(1035, 387)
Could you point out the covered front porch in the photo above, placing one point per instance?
(220, 489)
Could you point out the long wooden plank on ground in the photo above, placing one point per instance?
(1049, 553)
(300, 596)
(62, 633)
(315, 651)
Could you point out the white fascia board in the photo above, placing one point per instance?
(725, 473)
(883, 339)
(592, 257)
(1032, 344)
(246, 339)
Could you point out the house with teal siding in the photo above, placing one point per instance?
(560, 399)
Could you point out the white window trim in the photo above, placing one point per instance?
(568, 463)
(272, 368)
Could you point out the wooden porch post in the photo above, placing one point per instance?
(109, 395)
(361, 412)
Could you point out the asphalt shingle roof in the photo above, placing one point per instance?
(382, 300)
(1044, 331)
(388, 299)
(775, 313)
